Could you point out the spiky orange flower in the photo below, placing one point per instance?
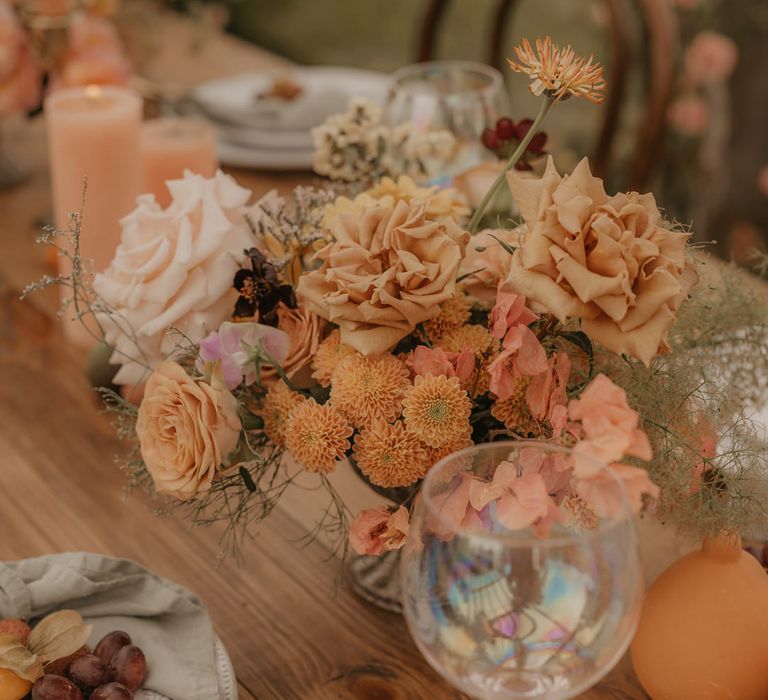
(453, 313)
(514, 411)
(559, 72)
(366, 389)
(436, 409)
(316, 436)
(275, 408)
(329, 355)
(478, 339)
(389, 455)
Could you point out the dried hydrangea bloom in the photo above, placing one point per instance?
(275, 409)
(436, 409)
(389, 455)
(559, 72)
(366, 389)
(317, 436)
(329, 355)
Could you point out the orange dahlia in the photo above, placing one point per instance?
(459, 442)
(317, 436)
(453, 313)
(328, 356)
(366, 389)
(389, 455)
(275, 408)
(436, 409)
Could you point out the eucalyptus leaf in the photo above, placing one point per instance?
(17, 658)
(58, 635)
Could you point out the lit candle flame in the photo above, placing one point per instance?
(93, 91)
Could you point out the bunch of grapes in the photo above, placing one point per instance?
(505, 138)
(114, 670)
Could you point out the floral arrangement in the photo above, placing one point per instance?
(276, 342)
(93, 53)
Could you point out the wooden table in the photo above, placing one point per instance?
(291, 633)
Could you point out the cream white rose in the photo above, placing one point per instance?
(174, 268)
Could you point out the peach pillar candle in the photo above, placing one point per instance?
(94, 133)
(171, 145)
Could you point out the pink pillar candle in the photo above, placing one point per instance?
(94, 133)
(169, 146)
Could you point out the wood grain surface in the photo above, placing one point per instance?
(291, 629)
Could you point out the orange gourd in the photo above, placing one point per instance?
(703, 631)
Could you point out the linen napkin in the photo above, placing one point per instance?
(168, 622)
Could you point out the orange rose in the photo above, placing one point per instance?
(608, 261)
(388, 269)
(186, 429)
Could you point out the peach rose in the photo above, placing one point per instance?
(186, 430)
(174, 268)
(305, 331)
(486, 262)
(388, 269)
(20, 77)
(605, 260)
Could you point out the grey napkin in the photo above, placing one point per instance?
(168, 622)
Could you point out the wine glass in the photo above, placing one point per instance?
(528, 613)
(458, 96)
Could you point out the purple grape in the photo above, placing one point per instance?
(129, 667)
(110, 644)
(505, 128)
(51, 687)
(87, 672)
(111, 691)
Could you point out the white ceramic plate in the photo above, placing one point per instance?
(240, 156)
(227, 679)
(274, 135)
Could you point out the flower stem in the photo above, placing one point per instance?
(511, 163)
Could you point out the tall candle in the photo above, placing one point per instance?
(169, 146)
(94, 133)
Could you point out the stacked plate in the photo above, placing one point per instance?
(257, 130)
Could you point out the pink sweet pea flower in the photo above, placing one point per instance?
(610, 427)
(230, 347)
(604, 496)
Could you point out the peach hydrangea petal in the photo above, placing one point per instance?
(603, 494)
(366, 530)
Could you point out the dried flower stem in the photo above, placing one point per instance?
(474, 222)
